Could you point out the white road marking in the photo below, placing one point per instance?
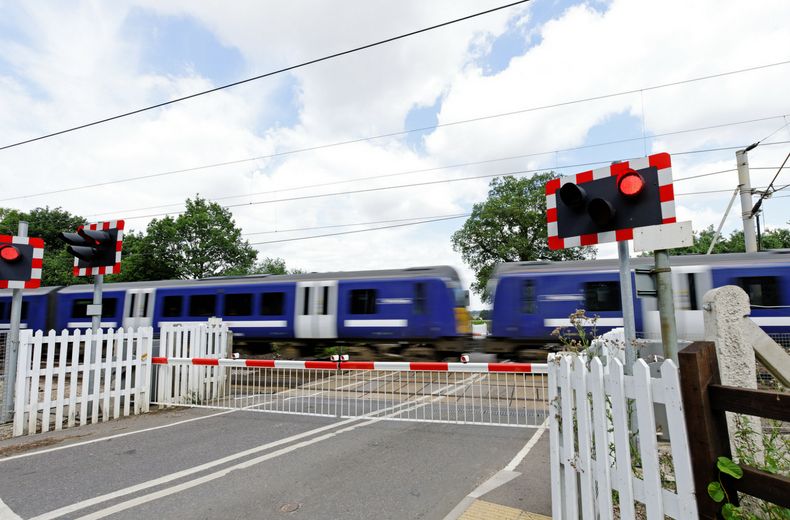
(528, 447)
(501, 477)
(243, 465)
(116, 436)
(185, 473)
(6, 513)
(186, 485)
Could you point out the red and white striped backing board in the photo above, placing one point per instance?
(663, 164)
(536, 368)
(108, 269)
(38, 258)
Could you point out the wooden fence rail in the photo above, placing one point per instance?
(705, 402)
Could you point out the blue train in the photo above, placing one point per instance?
(415, 312)
(532, 299)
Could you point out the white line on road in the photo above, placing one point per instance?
(500, 478)
(116, 436)
(185, 473)
(6, 513)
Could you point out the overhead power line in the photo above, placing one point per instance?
(399, 133)
(435, 168)
(359, 230)
(268, 74)
(351, 224)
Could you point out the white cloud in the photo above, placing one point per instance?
(77, 63)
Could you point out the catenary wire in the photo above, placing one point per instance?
(436, 168)
(266, 75)
(359, 230)
(403, 132)
(351, 224)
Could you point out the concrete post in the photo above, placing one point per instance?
(745, 185)
(726, 314)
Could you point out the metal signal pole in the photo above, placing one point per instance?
(627, 301)
(12, 347)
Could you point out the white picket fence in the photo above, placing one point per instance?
(54, 387)
(594, 452)
(193, 384)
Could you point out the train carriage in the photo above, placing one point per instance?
(532, 299)
(405, 307)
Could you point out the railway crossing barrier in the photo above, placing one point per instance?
(505, 394)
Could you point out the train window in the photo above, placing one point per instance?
(25, 307)
(203, 305)
(529, 299)
(763, 291)
(692, 283)
(171, 306)
(420, 306)
(272, 303)
(79, 308)
(132, 302)
(602, 296)
(238, 305)
(363, 301)
(3, 310)
(325, 301)
(306, 301)
(144, 310)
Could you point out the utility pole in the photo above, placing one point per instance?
(745, 185)
(12, 346)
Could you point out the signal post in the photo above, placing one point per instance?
(96, 248)
(630, 200)
(20, 268)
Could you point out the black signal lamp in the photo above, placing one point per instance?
(601, 211)
(573, 195)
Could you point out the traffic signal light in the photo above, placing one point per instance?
(606, 204)
(20, 262)
(96, 248)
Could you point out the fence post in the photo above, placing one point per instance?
(698, 369)
(726, 314)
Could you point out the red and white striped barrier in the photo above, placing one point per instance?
(534, 368)
(260, 363)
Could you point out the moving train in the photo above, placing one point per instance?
(532, 299)
(415, 313)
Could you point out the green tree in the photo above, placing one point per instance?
(510, 226)
(272, 266)
(201, 242)
(46, 223)
(734, 243)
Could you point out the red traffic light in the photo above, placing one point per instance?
(10, 253)
(631, 184)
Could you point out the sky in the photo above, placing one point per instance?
(63, 64)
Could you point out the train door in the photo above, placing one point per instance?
(138, 308)
(420, 316)
(316, 309)
(689, 285)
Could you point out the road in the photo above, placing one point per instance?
(199, 463)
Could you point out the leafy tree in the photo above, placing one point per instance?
(46, 223)
(201, 242)
(734, 243)
(271, 266)
(510, 226)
